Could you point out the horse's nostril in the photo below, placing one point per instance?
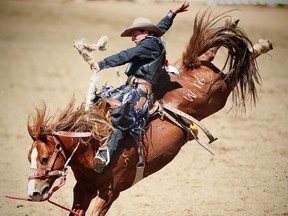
(35, 194)
(45, 190)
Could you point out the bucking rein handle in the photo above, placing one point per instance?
(85, 50)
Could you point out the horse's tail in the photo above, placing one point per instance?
(242, 69)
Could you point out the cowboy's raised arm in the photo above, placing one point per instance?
(179, 9)
(167, 21)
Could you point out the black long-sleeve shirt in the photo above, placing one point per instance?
(144, 52)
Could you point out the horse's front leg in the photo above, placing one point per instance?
(104, 201)
(83, 195)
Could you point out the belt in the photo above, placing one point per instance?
(132, 80)
(142, 82)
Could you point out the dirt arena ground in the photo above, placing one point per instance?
(247, 176)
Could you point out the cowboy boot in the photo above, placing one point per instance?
(101, 159)
(104, 154)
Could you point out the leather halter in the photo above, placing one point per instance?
(40, 173)
(48, 172)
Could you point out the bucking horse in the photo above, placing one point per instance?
(72, 137)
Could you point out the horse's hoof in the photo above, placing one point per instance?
(232, 21)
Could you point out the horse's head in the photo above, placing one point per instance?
(47, 160)
(46, 155)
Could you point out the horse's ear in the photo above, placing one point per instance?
(31, 132)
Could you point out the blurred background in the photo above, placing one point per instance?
(247, 176)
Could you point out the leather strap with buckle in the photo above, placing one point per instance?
(131, 80)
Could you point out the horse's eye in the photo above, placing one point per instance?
(44, 161)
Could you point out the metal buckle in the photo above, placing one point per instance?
(131, 80)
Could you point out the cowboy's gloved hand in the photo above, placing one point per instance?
(179, 9)
(95, 67)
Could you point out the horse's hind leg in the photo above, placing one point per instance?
(210, 54)
(104, 201)
(261, 47)
(232, 22)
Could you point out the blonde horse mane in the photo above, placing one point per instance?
(70, 119)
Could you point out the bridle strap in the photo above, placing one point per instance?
(61, 184)
(72, 134)
(40, 173)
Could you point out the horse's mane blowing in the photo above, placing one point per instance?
(242, 69)
(70, 119)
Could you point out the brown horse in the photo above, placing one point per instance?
(201, 90)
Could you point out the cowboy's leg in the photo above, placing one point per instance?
(134, 105)
(115, 139)
(140, 105)
(104, 154)
(124, 118)
(120, 94)
(122, 121)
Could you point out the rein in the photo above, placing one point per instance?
(48, 172)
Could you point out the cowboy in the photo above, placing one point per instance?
(145, 60)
